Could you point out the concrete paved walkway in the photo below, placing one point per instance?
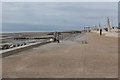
(69, 59)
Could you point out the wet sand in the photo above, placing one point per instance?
(68, 59)
(24, 34)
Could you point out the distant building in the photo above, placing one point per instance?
(87, 28)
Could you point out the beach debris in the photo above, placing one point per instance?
(84, 42)
(11, 46)
(51, 40)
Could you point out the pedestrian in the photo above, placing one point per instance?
(100, 31)
(54, 36)
(58, 38)
(54, 39)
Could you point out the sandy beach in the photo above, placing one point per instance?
(9, 37)
(68, 59)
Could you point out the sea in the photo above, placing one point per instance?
(18, 28)
(47, 30)
(40, 29)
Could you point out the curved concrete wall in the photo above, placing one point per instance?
(12, 51)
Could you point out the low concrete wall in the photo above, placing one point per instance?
(21, 48)
(113, 34)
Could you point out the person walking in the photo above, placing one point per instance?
(58, 38)
(55, 36)
(100, 31)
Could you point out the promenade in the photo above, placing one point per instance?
(68, 59)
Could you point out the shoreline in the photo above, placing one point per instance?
(13, 50)
(38, 31)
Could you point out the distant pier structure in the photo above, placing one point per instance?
(108, 22)
(108, 30)
(87, 28)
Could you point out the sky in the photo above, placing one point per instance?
(57, 16)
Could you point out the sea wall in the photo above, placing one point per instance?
(5, 53)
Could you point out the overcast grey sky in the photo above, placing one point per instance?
(51, 16)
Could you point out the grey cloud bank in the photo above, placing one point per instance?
(57, 16)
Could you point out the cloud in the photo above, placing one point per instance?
(66, 15)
